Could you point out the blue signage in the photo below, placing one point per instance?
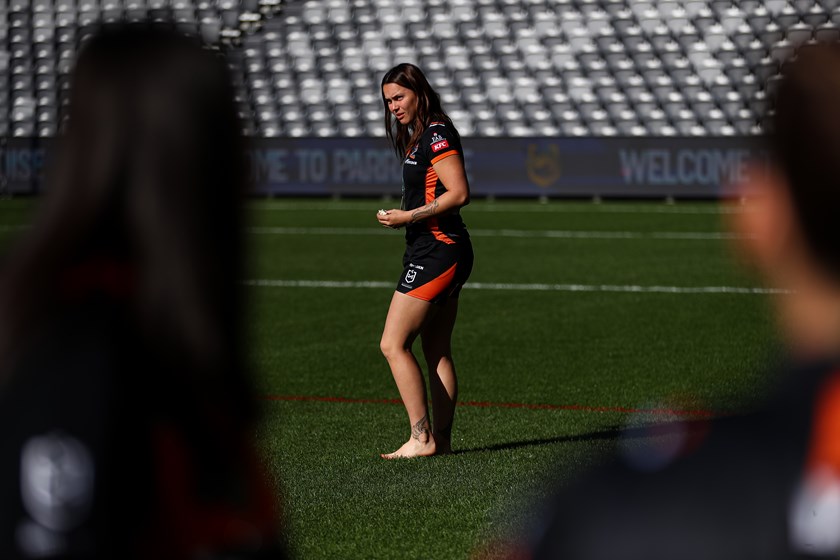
(528, 167)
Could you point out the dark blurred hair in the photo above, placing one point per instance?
(148, 174)
(429, 109)
(805, 142)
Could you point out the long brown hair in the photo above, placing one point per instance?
(150, 175)
(429, 110)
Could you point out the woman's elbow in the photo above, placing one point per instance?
(461, 198)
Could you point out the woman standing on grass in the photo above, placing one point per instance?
(438, 256)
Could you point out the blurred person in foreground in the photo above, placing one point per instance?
(765, 484)
(126, 416)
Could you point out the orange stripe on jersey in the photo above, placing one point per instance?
(444, 156)
(430, 290)
(431, 183)
(432, 223)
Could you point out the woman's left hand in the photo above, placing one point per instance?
(394, 218)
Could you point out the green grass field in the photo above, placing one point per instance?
(594, 310)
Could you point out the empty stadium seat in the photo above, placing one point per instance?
(518, 67)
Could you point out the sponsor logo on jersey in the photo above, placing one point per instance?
(410, 162)
(439, 143)
(410, 276)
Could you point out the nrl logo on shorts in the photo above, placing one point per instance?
(410, 276)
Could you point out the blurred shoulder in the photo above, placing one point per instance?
(697, 490)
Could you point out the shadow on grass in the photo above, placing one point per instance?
(654, 429)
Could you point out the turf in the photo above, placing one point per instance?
(591, 357)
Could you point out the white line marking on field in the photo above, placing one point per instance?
(520, 233)
(336, 284)
(612, 209)
(513, 233)
(557, 207)
(319, 231)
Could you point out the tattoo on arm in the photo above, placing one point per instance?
(425, 212)
(420, 430)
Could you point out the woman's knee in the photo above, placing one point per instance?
(393, 346)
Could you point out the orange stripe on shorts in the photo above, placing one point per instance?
(430, 290)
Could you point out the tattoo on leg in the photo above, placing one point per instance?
(420, 428)
(425, 212)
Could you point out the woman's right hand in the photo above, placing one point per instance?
(393, 218)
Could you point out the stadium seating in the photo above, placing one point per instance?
(502, 67)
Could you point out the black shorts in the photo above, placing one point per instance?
(435, 271)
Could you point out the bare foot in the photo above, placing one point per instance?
(413, 448)
(421, 444)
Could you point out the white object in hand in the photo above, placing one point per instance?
(382, 212)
